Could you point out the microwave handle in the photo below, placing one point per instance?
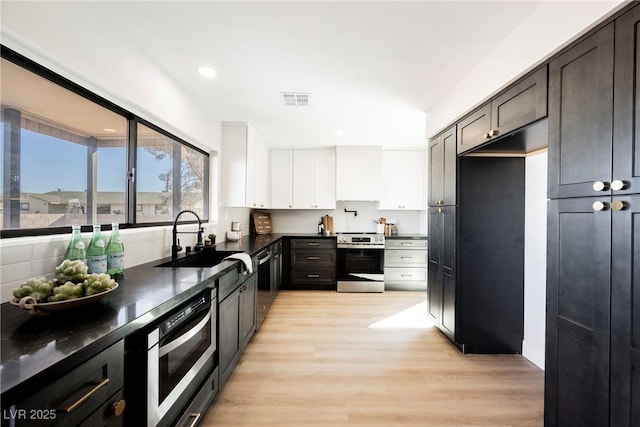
(169, 347)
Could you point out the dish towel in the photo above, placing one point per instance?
(246, 261)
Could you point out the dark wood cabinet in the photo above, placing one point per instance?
(625, 313)
(442, 169)
(578, 313)
(237, 315)
(592, 356)
(517, 106)
(313, 263)
(473, 130)
(89, 395)
(626, 131)
(522, 104)
(441, 293)
(581, 118)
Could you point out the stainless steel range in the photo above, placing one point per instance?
(360, 262)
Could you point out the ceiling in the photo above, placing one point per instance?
(373, 69)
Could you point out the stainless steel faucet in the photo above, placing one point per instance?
(175, 245)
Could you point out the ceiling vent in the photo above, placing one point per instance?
(294, 99)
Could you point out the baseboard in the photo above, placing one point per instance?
(533, 354)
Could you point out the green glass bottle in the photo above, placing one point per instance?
(96, 252)
(115, 253)
(76, 248)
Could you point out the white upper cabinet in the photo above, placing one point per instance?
(281, 179)
(244, 167)
(404, 179)
(303, 179)
(358, 173)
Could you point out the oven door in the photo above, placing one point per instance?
(360, 269)
(179, 361)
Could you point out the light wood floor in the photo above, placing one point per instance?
(317, 362)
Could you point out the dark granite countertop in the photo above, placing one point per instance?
(35, 350)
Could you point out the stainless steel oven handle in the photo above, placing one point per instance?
(167, 348)
(264, 257)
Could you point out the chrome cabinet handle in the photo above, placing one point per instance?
(486, 135)
(618, 185)
(493, 132)
(619, 205)
(599, 206)
(99, 384)
(600, 186)
(313, 258)
(313, 276)
(313, 243)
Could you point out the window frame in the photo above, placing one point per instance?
(130, 147)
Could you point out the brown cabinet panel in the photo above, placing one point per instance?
(310, 259)
(473, 130)
(520, 105)
(625, 313)
(442, 169)
(578, 313)
(581, 117)
(313, 263)
(626, 132)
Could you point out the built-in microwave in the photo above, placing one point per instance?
(177, 355)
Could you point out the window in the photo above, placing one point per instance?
(66, 153)
(170, 176)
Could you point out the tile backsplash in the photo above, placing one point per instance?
(27, 257)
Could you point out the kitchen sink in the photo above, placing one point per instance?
(205, 258)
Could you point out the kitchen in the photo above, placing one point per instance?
(169, 104)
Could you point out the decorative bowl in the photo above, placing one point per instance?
(41, 308)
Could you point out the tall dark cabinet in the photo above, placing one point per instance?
(476, 244)
(442, 253)
(592, 374)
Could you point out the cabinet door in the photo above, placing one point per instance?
(324, 179)
(248, 307)
(434, 281)
(581, 118)
(448, 263)
(229, 342)
(442, 169)
(578, 313)
(626, 133)
(625, 312)
(473, 129)
(412, 176)
(303, 179)
(521, 104)
(390, 179)
(281, 179)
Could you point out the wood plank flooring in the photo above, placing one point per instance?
(317, 362)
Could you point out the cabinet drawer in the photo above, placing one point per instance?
(75, 396)
(396, 275)
(406, 258)
(308, 258)
(229, 282)
(313, 243)
(321, 276)
(405, 244)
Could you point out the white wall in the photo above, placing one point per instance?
(542, 33)
(306, 221)
(535, 254)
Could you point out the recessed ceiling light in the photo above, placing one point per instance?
(207, 72)
(109, 130)
(338, 132)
